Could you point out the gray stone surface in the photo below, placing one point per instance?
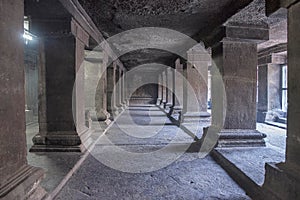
(56, 165)
(252, 161)
(187, 178)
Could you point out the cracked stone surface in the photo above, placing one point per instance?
(186, 178)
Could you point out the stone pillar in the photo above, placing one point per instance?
(111, 93)
(124, 89)
(197, 78)
(169, 81)
(117, 90)
(164, 89)
(178, 79)
(95, 85)
(159, 90)
(236, 60)
(120, 89)
(269, 86)
(92, 72)
(18, 180)
(62, 108)
(283, 180)
(262, 104)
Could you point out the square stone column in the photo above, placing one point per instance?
(164, 89)
(169, 88)
(124, 102)
(111, 91)
(120, 89)
(197, 79)
(126, 89)
(282, 181)
(269, 85)
(18, 180)
(234, 77)
(61, 107)
(159, 90)
(178, 84)
(262, 104)
(95, 85)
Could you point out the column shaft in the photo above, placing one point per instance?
(62, 115)
(178, 104)
(237, 64)
(159, 90)
(262, 105)
(282, 180)
(17, 179)
(197, 85)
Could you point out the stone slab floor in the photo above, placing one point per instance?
(141, 156)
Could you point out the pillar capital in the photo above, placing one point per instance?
(238, 33)
(271, 55)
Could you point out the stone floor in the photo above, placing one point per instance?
(251, 161)
(142, 156)
(56, 165)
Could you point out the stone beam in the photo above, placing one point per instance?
(238, 33)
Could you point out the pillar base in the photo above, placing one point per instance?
(163, 104)
(24, 184)
(29, 116)
(158, 101)
(62, 141)
(261, 116)
(241, 138)
(195, 117)
(282, 181)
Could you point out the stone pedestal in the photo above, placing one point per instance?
(18, 180)
(62, 108)
(236, 62)
(283, 180)
(197, 78)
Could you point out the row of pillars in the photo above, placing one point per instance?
(233, 90)
(66, 68)
(184, 89)
(75, 85)
(105, 93)
(236, 61)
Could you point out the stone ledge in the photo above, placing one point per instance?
(24, 184)
(282, 181)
